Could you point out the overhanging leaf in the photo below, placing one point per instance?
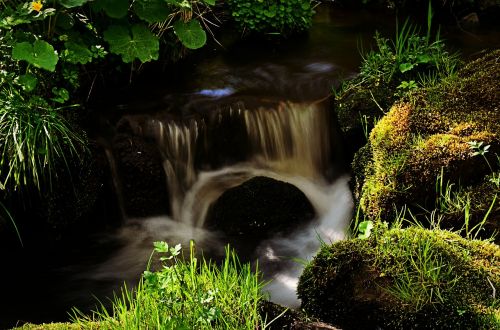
(190, 33)
(77, 53)
(151, 11)
(139, 43)
(72, 3)
(40, 54)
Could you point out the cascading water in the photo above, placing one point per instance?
(289, 142)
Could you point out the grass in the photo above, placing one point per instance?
(7, 215)
(425, 275)
(186, 294)
(35, 141)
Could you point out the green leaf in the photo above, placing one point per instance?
(77, 53)
(113, 8)
(210, 2)
(191, 34)
(404, 67)
(72, 3)
(40, 54)
(61, 95)
(424, 58)
(365, 229)
(160, 246)
(141, 44)
(27, 81)
(151, 11)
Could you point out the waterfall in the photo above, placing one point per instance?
(177, 144)
(289, 142)
(293, 138)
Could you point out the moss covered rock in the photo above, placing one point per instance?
(436, 132)
(404, 278)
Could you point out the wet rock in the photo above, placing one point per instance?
(384, 282)
(283, 318)
(258, 208)
(142, 180)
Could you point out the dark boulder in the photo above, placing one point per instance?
(258, 208)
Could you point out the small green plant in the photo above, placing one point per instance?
(365, 229)
(406, 86)
(186, 294)
(272, 16)
(479, 149)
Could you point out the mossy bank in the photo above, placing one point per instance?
(438, 148)
(404, 279)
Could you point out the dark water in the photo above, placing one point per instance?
(42, 282)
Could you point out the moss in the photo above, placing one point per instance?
(429, 132)
(358, 100)
(404, 278)
(360, 169)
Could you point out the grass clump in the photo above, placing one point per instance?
(186, 294)
(36, 141)
(395, 68)
(404, 278)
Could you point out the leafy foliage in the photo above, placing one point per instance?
(40, 54)
(187, 293)
(272, 16)
(190, 33)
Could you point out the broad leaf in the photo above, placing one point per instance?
(152, 11)
(141, 43)
(72, 3)
(27, 81)
(404, 67)
(191, 34)
(77, 53)
(210, 2)
(40, 54)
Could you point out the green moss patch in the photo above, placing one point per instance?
(404, 278)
